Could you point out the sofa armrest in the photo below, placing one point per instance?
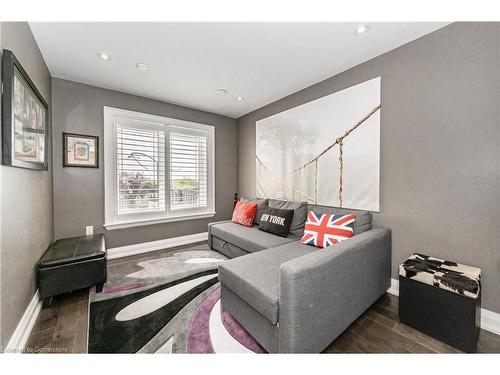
(322, 293)
(210, 230)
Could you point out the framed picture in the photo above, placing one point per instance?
(25, 118)
(80, 150)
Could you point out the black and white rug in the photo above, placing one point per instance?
(165, 302)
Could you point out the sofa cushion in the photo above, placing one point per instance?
(363, 218)
(255, 277)
(249, 239)
(299, 214)
(262, 205)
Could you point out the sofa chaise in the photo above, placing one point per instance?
(296, 298)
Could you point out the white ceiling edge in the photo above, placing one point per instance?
(263, 62)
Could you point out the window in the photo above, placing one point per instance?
(157, 169)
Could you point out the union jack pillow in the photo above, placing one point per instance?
(322, 230)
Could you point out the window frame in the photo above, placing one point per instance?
(112, 219)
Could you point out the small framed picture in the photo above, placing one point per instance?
(80, 150)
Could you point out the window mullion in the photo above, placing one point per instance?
(115, 171)
(167, 169)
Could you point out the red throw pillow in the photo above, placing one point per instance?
(244, 213)
(323, 230)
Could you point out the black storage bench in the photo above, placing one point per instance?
(441, 299)
(70, 264)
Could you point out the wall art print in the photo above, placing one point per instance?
(80, 150)
(324, 152)
(24, 118)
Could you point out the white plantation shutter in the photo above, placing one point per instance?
(157, 169)
(140, 169)
(188, 168)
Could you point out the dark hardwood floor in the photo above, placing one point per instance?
(62, 328)
(378, 330)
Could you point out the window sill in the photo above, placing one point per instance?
(140, 223)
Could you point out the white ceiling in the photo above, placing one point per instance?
(262, 62)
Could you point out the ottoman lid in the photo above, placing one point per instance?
(75, 249)
(454, 277)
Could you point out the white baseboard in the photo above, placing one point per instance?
(146, 247)
(394, 289)
(20, 336)
(490, 321)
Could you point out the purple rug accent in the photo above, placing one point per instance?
(199, 328)
(239, 333)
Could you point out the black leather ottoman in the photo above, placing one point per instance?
(442, 299)
(71, 264)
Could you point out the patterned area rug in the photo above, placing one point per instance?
(165, 302)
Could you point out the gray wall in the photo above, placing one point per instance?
(79, 192)
(26, 199)
(440, 146)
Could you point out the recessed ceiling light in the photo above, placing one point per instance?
(361, 29)
(143, 68)
(221, 92)
(102, 55)
(240, 98)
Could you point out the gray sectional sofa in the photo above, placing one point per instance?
(296, 298)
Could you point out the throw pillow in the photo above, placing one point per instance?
(322, 230)
(363, 218)
(276, 221)
(299, 214)
(244, 213)
(261, 207)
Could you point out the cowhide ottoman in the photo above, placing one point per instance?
(441, 299)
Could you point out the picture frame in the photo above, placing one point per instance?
(80, 150)
(25, 118)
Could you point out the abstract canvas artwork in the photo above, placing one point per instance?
(324, 152)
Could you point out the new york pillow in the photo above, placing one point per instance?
(323, 230)
(276, 221)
